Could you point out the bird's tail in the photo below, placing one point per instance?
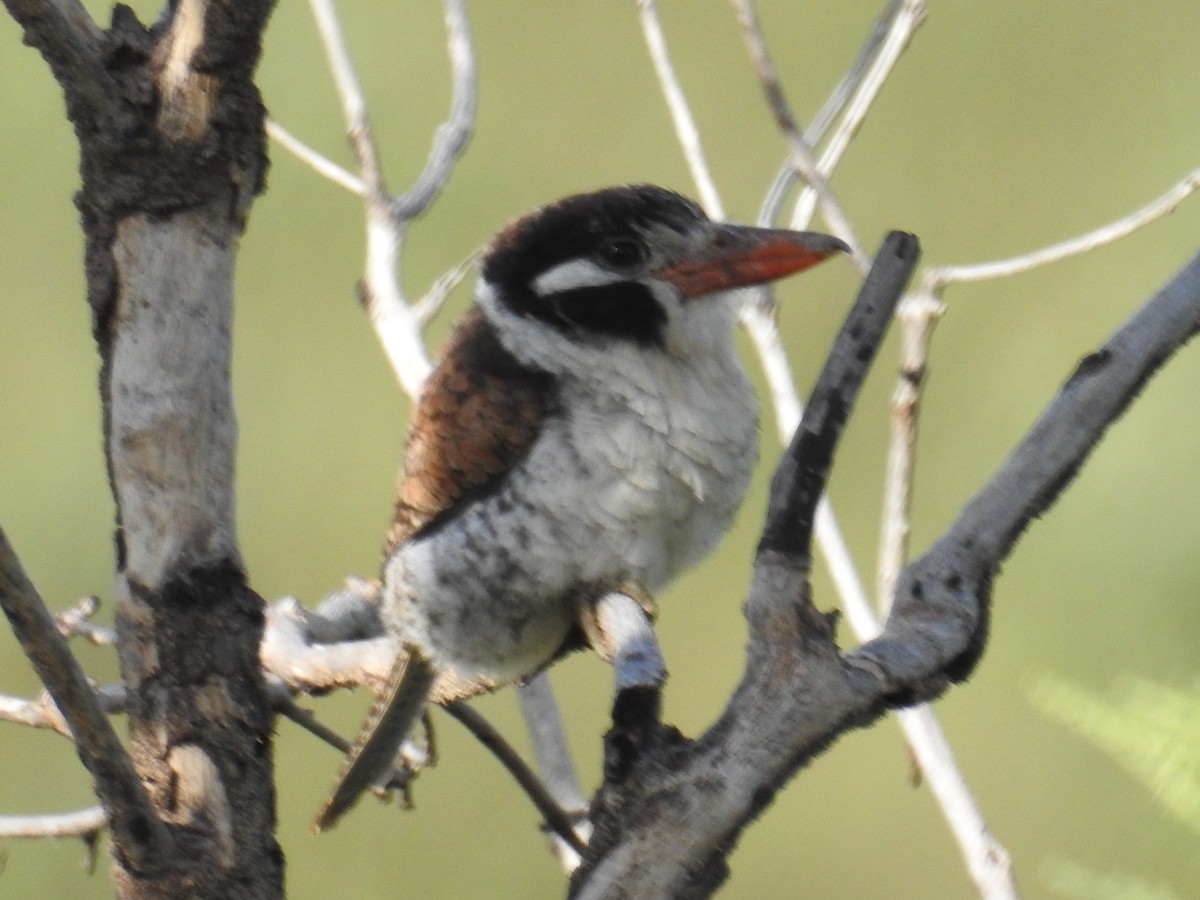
(395, 713)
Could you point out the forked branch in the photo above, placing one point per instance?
(665, 825)
(667, 815)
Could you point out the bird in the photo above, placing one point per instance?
(588, 427)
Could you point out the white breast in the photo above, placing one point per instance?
(661, 468)
(636, 480)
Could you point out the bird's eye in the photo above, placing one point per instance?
(623, 253)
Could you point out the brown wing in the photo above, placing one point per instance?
(479, 414)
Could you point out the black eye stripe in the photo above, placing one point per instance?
(607, 228)
(625, 310)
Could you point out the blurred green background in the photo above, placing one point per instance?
(1006, 126)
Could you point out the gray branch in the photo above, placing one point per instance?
(135, 823)
(936, 631)
(667, 815)
(454, 134)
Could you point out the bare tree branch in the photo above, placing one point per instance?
(681, 115)
(452, 137)
(658, 832)
(942, 598)
(396, 322)
(985, 858)
(342, 643)
(400, 779)
(354, 103)
(429, 305)
(322, 165)
(919, 314)
(336, 620)
(801, 152)
(560, 821)
(988, 861)
(554, 764)
(291, 652)
(42, 712)
(902, 18)
(134, 820)
(77, 621)
(170, 130)
(84, 823)
(802, 473)
(937, 278)
(382, 295)
(71, 42)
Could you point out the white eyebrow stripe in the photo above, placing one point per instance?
(573, 274)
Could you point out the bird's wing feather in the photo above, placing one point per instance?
(479, 414)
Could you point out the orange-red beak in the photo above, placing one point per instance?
(739, 256)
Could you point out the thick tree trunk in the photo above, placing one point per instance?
(189, 626)
(172, 152)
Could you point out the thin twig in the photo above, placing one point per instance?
(38, 713)
(429, 305)
(308, 652)
(987, 860)
(936, 279)
(320, 164)
(43, 712)
(77, 621)
(918, 317)
(815, 133)
(134, 820)
(83, 823)
(288, 707)
(555, 767)
(383, 298)
(902, 20)
(557, 819)
(801, 151)
(685, 124)
(451, 138)
(400, 779)
(349, 91)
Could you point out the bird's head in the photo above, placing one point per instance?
(632, 265)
